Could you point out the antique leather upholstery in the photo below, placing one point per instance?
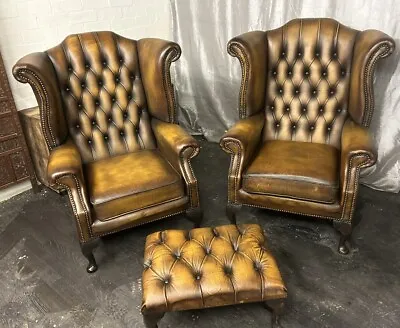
(208, 267)
(98, 95)
(308, 128)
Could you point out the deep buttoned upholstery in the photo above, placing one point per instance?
(208, 267)
(305, 96)
(107, 109)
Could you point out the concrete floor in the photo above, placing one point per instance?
(43, 282)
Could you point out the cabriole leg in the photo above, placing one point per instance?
(277, 308)
(87, 250)
(195, 215)
(345, 233)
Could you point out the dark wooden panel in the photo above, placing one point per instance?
(7, 126)
(6, 171)
(19, 165)
(5, 106)
(8, 145)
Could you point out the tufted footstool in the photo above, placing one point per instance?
(209, 267)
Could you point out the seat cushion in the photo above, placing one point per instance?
(131, 182)
(208, 267)
(300, 170)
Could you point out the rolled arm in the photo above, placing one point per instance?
(369, 47)
(155, 58)
(65, 169)
(178, 147)
(251, 50)
(357, 152)
(241, 141)
(37, 70)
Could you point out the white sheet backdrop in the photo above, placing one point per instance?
(208, 79)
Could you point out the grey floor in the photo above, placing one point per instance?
(43, 282)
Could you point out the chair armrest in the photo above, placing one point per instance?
(38, 70)
(357, 151)
(155, 58)
(241, 141)
(178, 147)
(65, 169)
(252, 51)
(369, 47)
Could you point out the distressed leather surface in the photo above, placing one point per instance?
(289, 169)
(318, 81)
(97, 94)
(208, 267)
(150, 180)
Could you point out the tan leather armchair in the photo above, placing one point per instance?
(306, 101)
(107, 110)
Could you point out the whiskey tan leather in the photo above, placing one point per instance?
(37, 70)
(155, 58)
(357, 152)
(97, 94)
(369, 47)
(65, 169)
(299, 177)
(208, 267)
(241, 142)
(178, 148)
(251, 50)
(150, 180)
(318, 86)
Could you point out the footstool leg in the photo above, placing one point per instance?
(151, 319)
(277, 307)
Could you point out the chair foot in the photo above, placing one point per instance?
(231, 211)
(87, 251)
(277, 307)
(151, 319)
(195, 215)
(345, 233)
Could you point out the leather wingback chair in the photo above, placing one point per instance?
(108, 114)
(306, 101)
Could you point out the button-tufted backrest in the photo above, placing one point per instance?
(309, 65)
(102, 93)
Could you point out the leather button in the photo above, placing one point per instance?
(289, 73)
(334, 55)
(306, 72)
(93, 122)
(274, 73)
(227, 270)
(79, 105)
(177, 256)
(121, 133)
(198, 277)
(117, 79)
(314, 91)
(283, 54)
(299, 54)
(97, 103)
(125, 115)
(137, 130)
(104, 63)
(67, 89)
(166, 282)
(280, 90)
(105, 137)
(297, 91)
(113, 99)
(100, 82)
(132, 77)
(287, 109)
(294, 126)
(343, 72)
(121, 59)
(339, 110)
(304, 109)
(129, 97)
(83, 85)
(272, 108)
(329, 128)
(321, 109)
(109, 119)
(312, 127)
(87, 65)
(332, 92)
(317, 54)
(277, 124)
(77, 126)
(324, 73)
(89, 141)
(69, 68)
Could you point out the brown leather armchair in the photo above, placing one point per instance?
(107, 111)
(306, 101)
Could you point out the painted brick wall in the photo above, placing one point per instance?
(35, 25)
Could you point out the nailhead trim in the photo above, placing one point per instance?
(172, 55)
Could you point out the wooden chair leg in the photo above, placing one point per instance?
(195, 215)
(345, 234)
(231, 211)
(277, 308)
(151, 319)
(87, 251)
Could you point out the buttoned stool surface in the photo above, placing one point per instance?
(209, 267)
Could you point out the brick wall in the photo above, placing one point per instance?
(35, 25)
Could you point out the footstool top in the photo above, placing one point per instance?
(208, 267)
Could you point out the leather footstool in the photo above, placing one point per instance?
(209, 267)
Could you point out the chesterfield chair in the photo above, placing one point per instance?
(107, 109)
(306, 101)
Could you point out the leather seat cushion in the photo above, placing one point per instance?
(131, 182)
(208, 267)
(300, 170)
